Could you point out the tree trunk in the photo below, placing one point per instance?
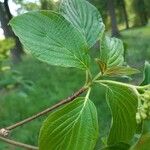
(44, 4)
(140, 9)
(111, 10)
(125, 14)
(144, 18)
(5, 17)
(143, 13)
(47, 5)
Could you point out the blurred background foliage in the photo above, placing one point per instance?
(5, 46)
(28, 85)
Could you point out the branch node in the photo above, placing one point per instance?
(4, 132)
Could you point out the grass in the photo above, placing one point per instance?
(138, 45)
(51, 84)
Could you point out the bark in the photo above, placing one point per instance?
(4, 21)
(142, 12)
(5, 17)
(111, 10)
(140, 9)
(44, 5)
(125, 14)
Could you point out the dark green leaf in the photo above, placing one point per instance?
(144, 140)
(85, 17)
(119, 146)
(51, 38)
(73, 127)
(123, 103)
(143, 143)
(146, 74)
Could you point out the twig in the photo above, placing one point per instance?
(18, 144)
(62, 102)
(5, 131)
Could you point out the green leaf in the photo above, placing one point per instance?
(144, 128)
(144, 140)
(123, 103)
(146, 74)
(143, 143)
(73, 127)
(51, 38)
(85, 17)
(120, 71)
(119, 146)
(111, 60)
(112, 52)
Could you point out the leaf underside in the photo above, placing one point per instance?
(51, 38)
(73, 127)
(123, 104)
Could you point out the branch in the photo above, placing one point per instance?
(18, 144)
(62, 102)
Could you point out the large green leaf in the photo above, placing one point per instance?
(85, 17)
(123, 103)
(146, 74)
(51, 38)
(73, 127)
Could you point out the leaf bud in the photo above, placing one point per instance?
(138, 118)
(143, 115)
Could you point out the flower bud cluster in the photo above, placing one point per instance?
(143, 112)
